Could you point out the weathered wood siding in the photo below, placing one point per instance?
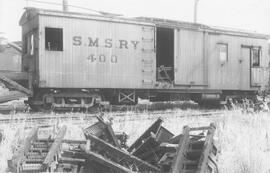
(106, 65)
(189, 58)
(234, 74)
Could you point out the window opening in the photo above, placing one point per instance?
(223, 52)
(54, 39)
(31, 49)
(255, 53)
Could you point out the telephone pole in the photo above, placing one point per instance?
(195, 10)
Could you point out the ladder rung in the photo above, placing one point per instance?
(200, 128)
(147, 50)
(190, 162)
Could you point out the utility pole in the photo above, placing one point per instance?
(65, 5)
(195, 10)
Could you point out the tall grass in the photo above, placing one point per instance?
(243, 139)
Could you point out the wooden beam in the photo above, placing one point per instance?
(208, 145)
(11, 95)
(179, 159)
(13, 75)
(106, 162)
(15, 85)
(55, 146)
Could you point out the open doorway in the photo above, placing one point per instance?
(165, 54)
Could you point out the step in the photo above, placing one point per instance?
(196, 144)
(41, 144)
(194, 154)
(35, 148)
(72, 160)
(190, 164)
(200, 128)
(32, 167)
(45, 140)
(35, 156)
(34, 160)
(40, 150)
(190, 171)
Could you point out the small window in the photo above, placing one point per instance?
(28, 44)
(31, 47)
(256, 54)
(223, 52)
(54, 39)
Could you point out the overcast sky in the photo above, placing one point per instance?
(252, 15)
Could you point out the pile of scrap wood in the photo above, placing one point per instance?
(156, 150)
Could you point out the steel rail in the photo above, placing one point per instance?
(44, 118)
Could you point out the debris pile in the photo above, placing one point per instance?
(156, 150)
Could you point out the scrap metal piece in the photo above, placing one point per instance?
(104, 150)
(102, 130)
(163, 135)
(148, 147)
(152, 129)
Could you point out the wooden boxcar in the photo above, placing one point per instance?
(76, 59)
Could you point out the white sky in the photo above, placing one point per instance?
(253, 15)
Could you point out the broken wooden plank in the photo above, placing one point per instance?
(15, 85)
(108, 163)
(179, 159)
(11, 95)
(55, 146)
(14, 75)
(208, 145)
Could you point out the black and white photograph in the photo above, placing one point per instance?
(134, 86)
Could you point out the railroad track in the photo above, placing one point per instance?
(43, 118)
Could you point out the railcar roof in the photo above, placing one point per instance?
(30, 12)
